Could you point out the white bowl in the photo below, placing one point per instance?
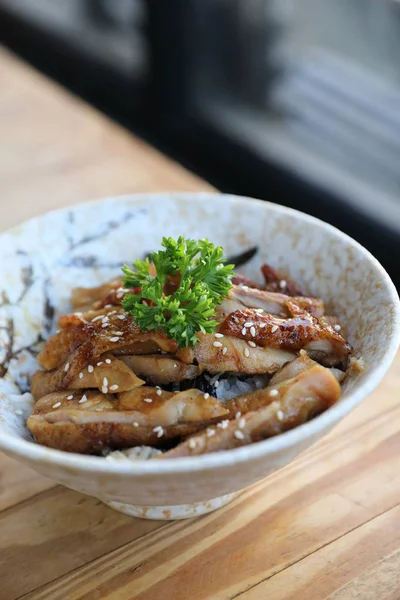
(44, 258)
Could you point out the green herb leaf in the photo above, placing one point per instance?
(199, 280)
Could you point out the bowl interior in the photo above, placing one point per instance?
(44, 258)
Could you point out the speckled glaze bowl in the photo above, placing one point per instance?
(41, 261)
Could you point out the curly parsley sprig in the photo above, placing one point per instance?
(201, 280)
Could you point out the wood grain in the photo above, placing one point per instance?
(354, 566)
(324, 527)
(18, 483)
(55, 150)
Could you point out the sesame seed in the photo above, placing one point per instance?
(244, 331)
(119, 295)
(175, 366)
(108, 306)
(112, 312)
(206, 396)
(90, 368)
(210, 432)
(337, 327)
(57, 404)
(114, 339)
(159, 392)
(253, 331)
(279, 415)
(97, 318)
(252, 344)
(159, 431)
(273, 393)
(245, 287)
(246, 352)
(66, 367)
(78, 314)
(225, 350)
(105, 382)
(274, 328)
(192, 443)
(242, 423)
(148, 400)
(100, 363)
(135, 424)
(216, 384)
(83, 399)
(118, 332)
(80, 375)
(105, 325)
(219, 335)
(249, 324)
(71, 397)
(19, 411)
(223, 424)
(104, 389)
(259, 310)
(217, 344)
(105, 319)
(239, 435)
(262, 325)
(108, 361)
(121, 317)
(113, 387)
(238, 415)
(282, 284)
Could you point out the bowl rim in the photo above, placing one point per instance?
(22, 449)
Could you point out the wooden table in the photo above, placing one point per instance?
(326, 526)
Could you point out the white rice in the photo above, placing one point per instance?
(134, 454)
(232, 386)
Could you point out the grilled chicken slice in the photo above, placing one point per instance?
(292, 369)
(91, 340)
(242, 280)
(220, 355)
(315, 381)
(93, 422)
(109, 373)
(160, 370)
(302, 331)
(298, 365)
(83, 298)
(276, 281)
(288, 409)
(273, 303)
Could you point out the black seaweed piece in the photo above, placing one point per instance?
(241, 259)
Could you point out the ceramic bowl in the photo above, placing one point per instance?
(42, 259)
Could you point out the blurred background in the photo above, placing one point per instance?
(293, 101)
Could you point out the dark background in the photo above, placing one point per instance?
(292, 101)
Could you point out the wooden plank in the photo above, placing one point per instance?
(295, 512)
(18, 483)
(55, 150)
(58, 531)
(363, 564)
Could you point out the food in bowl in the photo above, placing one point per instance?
(183, 355)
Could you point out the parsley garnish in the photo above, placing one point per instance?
(191, 280)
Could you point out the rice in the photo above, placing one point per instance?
(233, 385)
(224, 386)
(133, 454)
